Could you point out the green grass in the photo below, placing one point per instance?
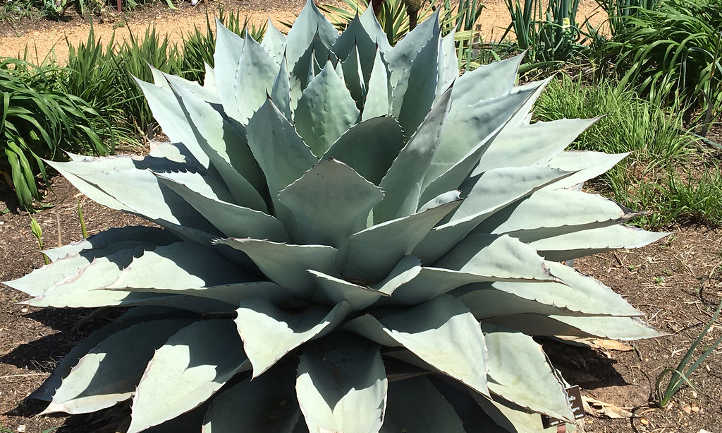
(668, 174)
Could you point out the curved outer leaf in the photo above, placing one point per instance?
(193, 364)
(490, 192)
(592, 241)
(69, 260)
(539, 216)
(576, 294)
(310, 22)
(404, 180)
(325, 110)
(229, 218)
(616, 328)
(328, 203)
(442, 332)
(467, 126)
(279, 150)
(231, 294)
(274, 42)
(371, 253)
(514, 358)
(110, 371)
(486, 82)
(330, 289)
(266, 403)
(180, 265)
(369, 147)
(341, 386)
(378, 95)
(587, 165)
(531, 144)
(269, 333)
(430, 412)
(169, 115)
(253, 79)
(47, 390)
(402, 56)
(501, 257)
(224, 140)
(281, 91)
(287, 264)
(118, 179)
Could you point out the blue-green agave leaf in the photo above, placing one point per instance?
(279, 150)
(378, 95)
(371, 253)
(341, 386)
(430, 412)
(328, 204)
(325, 110)
(616, 328)
(269, 332)
(442, 332)
(114, 366)
(369, 147)
(287, 264)
(188, 369)
(266, 403)
(587, 242)
(404, 181)
(332, 290)
(281, 92)
(274, 42)
(232, 220)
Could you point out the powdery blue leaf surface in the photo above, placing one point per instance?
(188, 369)
(341, 386)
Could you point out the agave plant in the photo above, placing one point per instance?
(348, 238)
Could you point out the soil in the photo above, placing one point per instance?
(45, 40)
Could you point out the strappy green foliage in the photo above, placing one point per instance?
(352, 240)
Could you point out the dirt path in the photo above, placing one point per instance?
(49, 42)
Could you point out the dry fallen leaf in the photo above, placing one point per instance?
(600, 343)
(600, 409)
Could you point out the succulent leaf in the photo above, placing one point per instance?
(341, 386)
(186, 371)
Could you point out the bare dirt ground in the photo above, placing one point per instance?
(47, 40)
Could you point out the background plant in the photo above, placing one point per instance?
(672, 53)
(37, 119)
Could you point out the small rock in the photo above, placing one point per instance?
(695, 408)
(644, 421)
(687, 409)
(24, 310)
(704, 431)
(21, 428)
